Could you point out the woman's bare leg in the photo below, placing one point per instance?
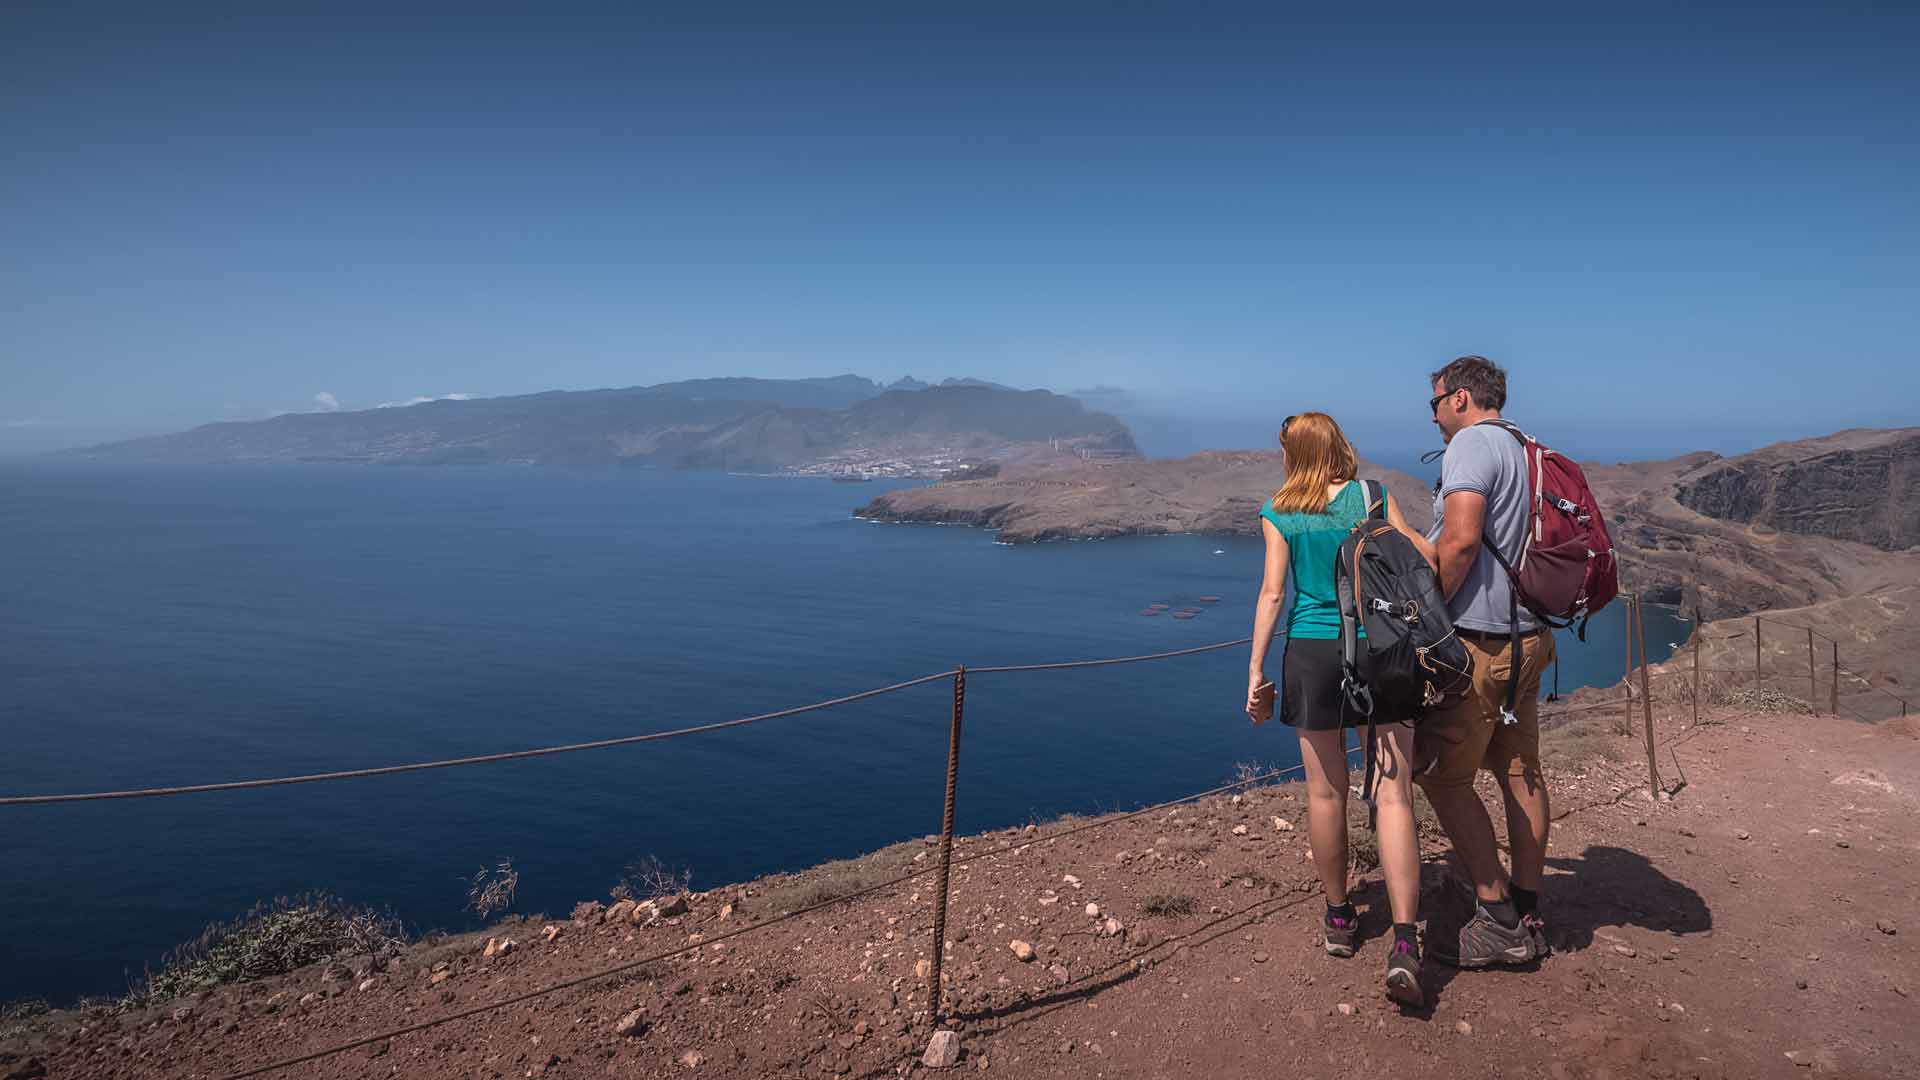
(1393, 817)
(1325, 755)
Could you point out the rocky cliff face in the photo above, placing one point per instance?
(1856, 485)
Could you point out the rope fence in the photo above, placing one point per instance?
(1642, 696)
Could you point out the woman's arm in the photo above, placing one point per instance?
(1266, 610)
(1420, 543)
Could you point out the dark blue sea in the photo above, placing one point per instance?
(175, 625)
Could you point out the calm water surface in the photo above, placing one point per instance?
(183, 625)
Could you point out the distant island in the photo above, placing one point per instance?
(845, 426)
(1790, 525)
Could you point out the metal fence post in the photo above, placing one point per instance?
(1646, 701)
(934, 994)
(1836, 679)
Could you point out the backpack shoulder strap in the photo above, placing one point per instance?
(1375, 493)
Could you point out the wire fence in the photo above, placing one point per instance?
(1693, 691)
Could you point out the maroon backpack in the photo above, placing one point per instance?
(1566, 569)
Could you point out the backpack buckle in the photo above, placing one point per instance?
(1507, 719)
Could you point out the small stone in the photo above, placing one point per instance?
(1259, 958)
(860, 1029)
(1463, 1027)
(1885, 926)
(632, 1024)
(1677, 1007)
(1800, 983)
(692, 1059)
(1800, 1058)
(669, 907)
(439, 977)
(923, 969)
(1744, 835)
(1060, 974)
(943, 1050)
(1239, 830)
(1022, 951)
(366, 985)
(1282, 824)
(309, 999)
(551, 932)
(588, 910)
(1093, 911)
(726, 912)
(1344, 1009)
(1624, 950)
(1112, 927)
(1841, 844)
(1070, 880)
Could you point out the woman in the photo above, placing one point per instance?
(1305, 523)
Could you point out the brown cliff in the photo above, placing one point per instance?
(1861, 485)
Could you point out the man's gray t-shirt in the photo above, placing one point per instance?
(1486, 460)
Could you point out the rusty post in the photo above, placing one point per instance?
(934, 994)
(1699, 631)
(1813, 688)
(1646, 700)
(1836, 679)
(1757, 682)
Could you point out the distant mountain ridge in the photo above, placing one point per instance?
(736, 423)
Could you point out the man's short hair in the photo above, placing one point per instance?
(1479, 376)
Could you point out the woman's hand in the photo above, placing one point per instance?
(1258, 710)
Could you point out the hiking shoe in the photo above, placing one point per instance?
(1403, 975)
(1482, 942)
(1536, 928)
(1341, 932)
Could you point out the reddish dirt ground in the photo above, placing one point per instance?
(1760, 923)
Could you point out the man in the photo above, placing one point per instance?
(1483, 498)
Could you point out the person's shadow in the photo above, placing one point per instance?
(1604, 886)
(1614, 886)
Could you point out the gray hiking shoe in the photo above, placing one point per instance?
(1536, 928)
(1482, 942)
(1403, 975)
(1342, 932)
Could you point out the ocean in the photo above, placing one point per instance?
(178, 625)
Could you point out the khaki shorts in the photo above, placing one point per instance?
(1464, 734)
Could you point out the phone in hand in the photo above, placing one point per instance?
(1263, 698)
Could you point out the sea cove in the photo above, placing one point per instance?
(188, 624)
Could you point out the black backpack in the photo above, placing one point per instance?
(1411, 658)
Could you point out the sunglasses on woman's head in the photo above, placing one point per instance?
(1283, 427)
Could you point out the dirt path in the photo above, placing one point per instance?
(1762, 923)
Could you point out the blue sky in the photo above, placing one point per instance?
(1678, 228)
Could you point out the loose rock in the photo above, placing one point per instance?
(1885, 926)
(1282, 824)
(632, 1024)
(1239, 830)
(1022, 951)
(1093, 911)
(1344, 1009)
(1463, 1027)
(551, 932)
(943, 1051)
(692, 1059)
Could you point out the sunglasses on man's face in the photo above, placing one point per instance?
(1433, 406)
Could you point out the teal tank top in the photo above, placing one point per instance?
(1313, 543)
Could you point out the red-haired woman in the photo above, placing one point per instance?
(1304, 523)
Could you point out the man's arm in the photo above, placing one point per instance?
(1459, 542)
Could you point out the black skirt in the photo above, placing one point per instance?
(1310, 697)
